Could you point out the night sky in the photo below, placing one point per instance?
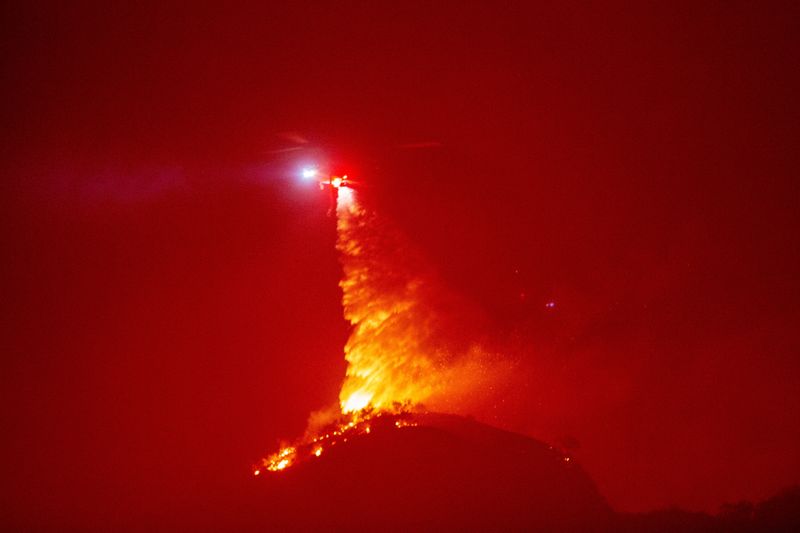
(170, 300)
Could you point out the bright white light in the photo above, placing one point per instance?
(309, 173)
(344, 202)
(357, 401)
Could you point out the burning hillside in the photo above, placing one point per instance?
(406, 348)
(438, 469)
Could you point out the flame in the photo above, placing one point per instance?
(396, 357)
(279, 461)
(356, 402)
(396, 353)
(377, 302)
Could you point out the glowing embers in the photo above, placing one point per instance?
(278, 461)
(356, 424)
(404, 424)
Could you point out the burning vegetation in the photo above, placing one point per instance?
(401, 352)
(349, 426)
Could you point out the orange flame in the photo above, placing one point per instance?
(397, 356)
(396, 352)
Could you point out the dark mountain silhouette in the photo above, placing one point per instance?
(780, 513)
(440, 472)
(448, 471)
(453, 473)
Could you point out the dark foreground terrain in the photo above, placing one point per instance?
(447, 472)
(454, 473)
(439, 472)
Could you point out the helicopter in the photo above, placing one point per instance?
(333, 183)
(296, 147)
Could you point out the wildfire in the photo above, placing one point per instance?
(285, 457)
(391, 354)
(396, 360)
(356, 402)
(347, 427)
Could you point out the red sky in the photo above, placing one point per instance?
(172, 307)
